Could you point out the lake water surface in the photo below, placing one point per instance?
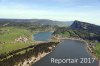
(67, 49)
(42, 36)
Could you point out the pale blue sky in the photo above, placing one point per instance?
(62, 10)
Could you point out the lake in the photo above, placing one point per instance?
(67, 49)
(42, 36)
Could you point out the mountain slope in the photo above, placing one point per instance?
(35, 22)
(82, 30)
(78, 25)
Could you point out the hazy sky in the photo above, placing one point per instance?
(63, 10)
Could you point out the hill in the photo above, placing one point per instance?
(82, 30)
(78, 25)
(4, 22)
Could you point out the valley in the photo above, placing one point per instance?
(24, 42)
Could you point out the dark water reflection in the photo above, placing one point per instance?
(67, 49)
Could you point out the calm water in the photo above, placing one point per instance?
(67, 49)
(42, 36)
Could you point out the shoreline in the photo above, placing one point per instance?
(87, 47)
(33, 59)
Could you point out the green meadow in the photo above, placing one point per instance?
(97, 50)
(8, 35)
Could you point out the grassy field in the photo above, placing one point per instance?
(68, 33)
(65, 34)
(8, 36)
(98, 50)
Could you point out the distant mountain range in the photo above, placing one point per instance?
(35, 21)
